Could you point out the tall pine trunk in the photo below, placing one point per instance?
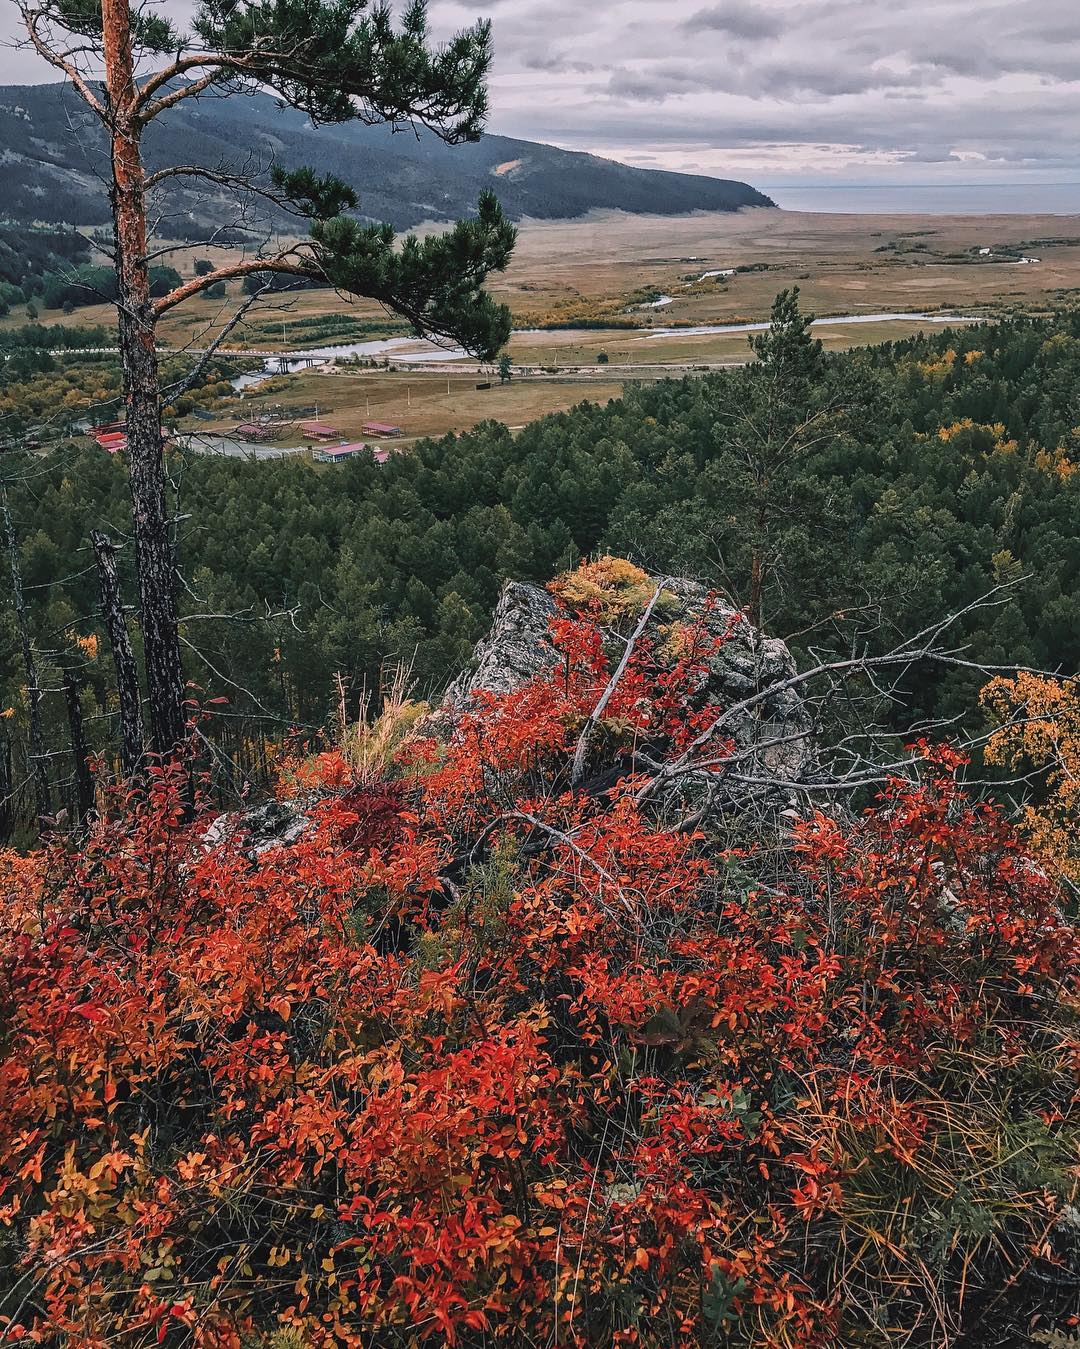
(138, 354)
(83, 779)
(127, 674)
(39, 755)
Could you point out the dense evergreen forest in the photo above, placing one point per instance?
(918, 476)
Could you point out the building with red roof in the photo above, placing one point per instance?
(335, 454)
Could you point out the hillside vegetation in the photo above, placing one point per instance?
(405, 178)
(947, 469)
(487, 1058)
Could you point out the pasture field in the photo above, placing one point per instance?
(596, 268)
(844, 264)
(432, 403)
(636, 355)
(416, 401)
(596, 277)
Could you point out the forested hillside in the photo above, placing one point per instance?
(945, 467)
(491, 1053)
(48, 139)
(609, 882)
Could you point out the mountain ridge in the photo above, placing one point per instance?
(54, 157)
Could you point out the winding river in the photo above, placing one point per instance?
(416, 351)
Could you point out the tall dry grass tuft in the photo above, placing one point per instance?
(370, 743)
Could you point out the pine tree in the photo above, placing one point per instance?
(779, 416)
(336, 61)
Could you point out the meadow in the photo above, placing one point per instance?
(581, 290)
(422, 403)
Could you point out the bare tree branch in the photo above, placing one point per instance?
(32, 18)
(582, 747)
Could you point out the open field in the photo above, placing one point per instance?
(596, 267)
(641, 354)
(844, 264)
(418, 402)
(601, 271)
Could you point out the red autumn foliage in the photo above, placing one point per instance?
(376, 810)
(486, 1060)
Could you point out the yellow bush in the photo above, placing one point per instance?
(1039, 726)
(612, 587)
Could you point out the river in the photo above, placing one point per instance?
(416, 351)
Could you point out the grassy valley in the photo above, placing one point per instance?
(578, 289)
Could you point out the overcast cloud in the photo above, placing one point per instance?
(783, 90)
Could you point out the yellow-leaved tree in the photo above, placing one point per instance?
(1038, 725)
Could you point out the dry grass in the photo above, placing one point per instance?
(844, 264)
(371, 742)
(417, 402)
(834, 258)
(644, 354)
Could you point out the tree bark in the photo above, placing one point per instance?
(39, 758)
(757, 558)
(138, 353)
(7, 790)
(127, 673)
(84, 779)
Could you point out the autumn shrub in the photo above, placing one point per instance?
(1037, 727)
(487, 1059)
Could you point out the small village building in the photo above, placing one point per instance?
(381, 429)
(319, 431)
(253, 431)
(336, 454)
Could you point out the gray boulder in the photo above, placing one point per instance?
(517, 648)
(272, 824)
(772, 737)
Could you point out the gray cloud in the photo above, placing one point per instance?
(737, 20)
(770, 89)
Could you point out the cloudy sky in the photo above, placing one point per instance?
(783, 91)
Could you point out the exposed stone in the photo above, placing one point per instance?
(518, 647)
(772, 738)
(272, 824)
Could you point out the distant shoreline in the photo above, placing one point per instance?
(968, 199)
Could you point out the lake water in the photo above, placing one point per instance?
(232, 447)
(931, 199)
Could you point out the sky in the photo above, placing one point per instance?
(778, 91)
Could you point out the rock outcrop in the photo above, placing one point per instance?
(517, 648)
(272, 824)
(772, 736)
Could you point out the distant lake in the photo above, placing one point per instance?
(926, 199)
